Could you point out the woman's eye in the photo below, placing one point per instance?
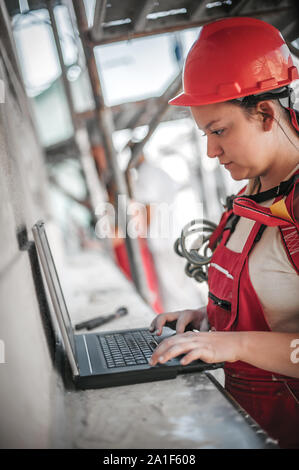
(218, 132)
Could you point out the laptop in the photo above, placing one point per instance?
(106, 359)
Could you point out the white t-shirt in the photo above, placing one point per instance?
(274, 279)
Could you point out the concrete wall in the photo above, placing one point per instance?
(31, 394)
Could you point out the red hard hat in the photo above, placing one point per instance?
(232, 58)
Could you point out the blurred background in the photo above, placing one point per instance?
(136, 76)
(84, 120)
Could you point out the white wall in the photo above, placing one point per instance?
(30, 389)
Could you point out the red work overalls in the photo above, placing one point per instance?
(272, 400)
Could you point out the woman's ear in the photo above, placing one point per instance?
(266, 110)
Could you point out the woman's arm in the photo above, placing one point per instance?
(275, 352)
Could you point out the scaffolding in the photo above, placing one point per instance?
(115, 21)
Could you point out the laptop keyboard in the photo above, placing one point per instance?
(127, 349)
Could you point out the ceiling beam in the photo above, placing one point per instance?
(140, 19)
(236, 9)
(293, 49)
(197, 12)
(98, 19)
(185, 25)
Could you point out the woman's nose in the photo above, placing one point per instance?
(213, 147)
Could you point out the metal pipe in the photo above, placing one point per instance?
(105, 122)
(66, 83)
(136, 149)
(89, 171)
(141, 16)
(99, 15)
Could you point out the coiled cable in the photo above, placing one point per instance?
(197, 256)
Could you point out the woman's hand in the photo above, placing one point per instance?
(210, 347)
(182, 318)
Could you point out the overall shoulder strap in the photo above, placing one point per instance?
(227, 222)
(290, 234)
(280, 214)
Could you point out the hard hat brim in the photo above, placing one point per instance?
(183, 99)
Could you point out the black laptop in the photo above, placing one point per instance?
(111, 358)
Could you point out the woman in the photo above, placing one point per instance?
(236, 82)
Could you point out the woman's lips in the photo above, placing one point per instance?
(227, 165)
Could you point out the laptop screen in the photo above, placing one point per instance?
(55, 291)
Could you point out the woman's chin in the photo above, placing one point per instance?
(236, 173)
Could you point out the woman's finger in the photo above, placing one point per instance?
(173, 340)
(165, 353)
(152, 325)
(168, 343)
(160, 320)
(203, 352)
(176, 350)
(183, 321)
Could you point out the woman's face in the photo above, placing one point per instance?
(241, 143)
